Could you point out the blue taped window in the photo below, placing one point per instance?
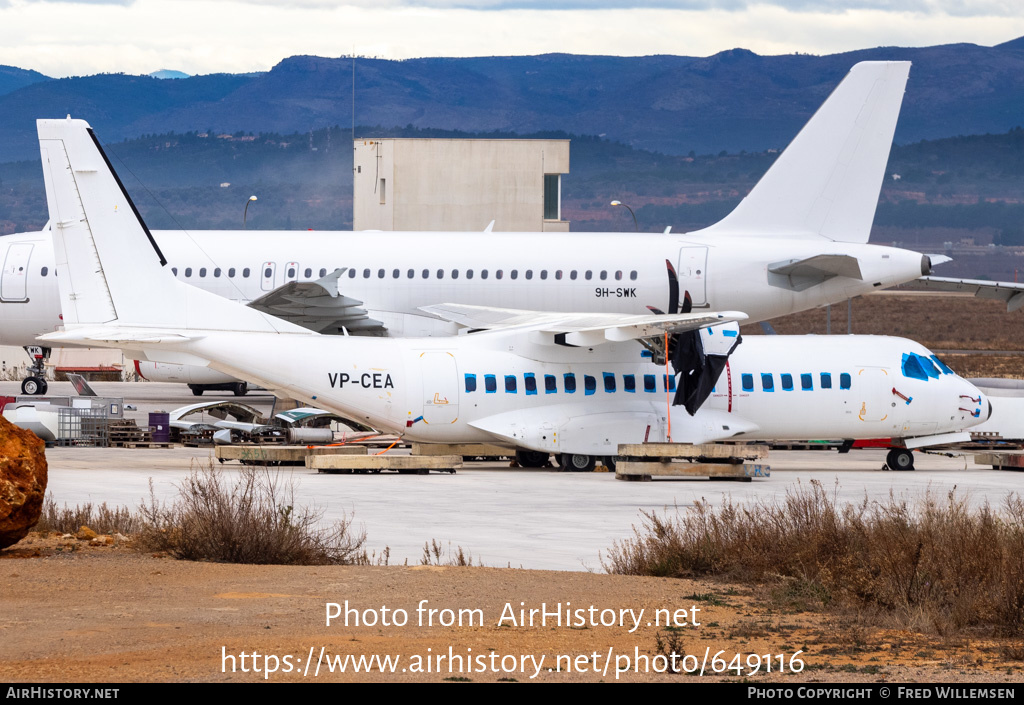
(748, 382)
(669, 381)
(609, 382)
(570, 383)
(807, 382)
(844, 380)
(787, 382)
(629, 383)
(510, 384)
(912, 367)
(942, 366)
(767, 382)
(470, 383)
(589, 384)
(490, 384)
(928, 366)
(650, 385)
(550, 386)
(530, 382)
(826, 380)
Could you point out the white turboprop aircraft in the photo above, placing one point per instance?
(573, 384)
(797, 241)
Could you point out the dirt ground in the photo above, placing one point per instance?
(75, 612)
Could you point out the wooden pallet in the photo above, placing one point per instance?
(644, 461)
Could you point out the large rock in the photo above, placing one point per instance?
(22, 482)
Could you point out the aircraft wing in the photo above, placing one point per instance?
(581, 328)
(805, 273)
(319, 306)
(1010, 292)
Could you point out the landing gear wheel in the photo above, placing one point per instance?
(532, 458)
(33, 386)
(240, 389)
(610, 461)
(572, 462)
(900, 459)
(197, 391)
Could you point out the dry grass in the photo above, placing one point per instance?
(931, 564)
(101, 519)
(434, 553)
(253, 520)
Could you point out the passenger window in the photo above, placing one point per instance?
(543, 274)
(455, 274)
(558, 274)
(514, 274)
(483, 273)
(510, 384)
(309, 273)
(787, 382)
(426, 273)
(529, 274)
(609, 382)
(44, 270)
(202, 271)
(807, 382)
(629, 383)
(188, 271)
(380, 273)
(174, 270)
(216, 272)
(618, 274)
(632, 275)
(498, 274)
(267, 273)
(530, 383)
(366, 273)
(589, 275)
(291, 272)
(245, 273)
(469, 274)
(844, 381)
(470, 383)
(411, 274)
(572, 275)
(650, 385)
(570, 382)
(440, 274)
(351, 273)
(669, 381)
(396, 273)
(604, 274)
(323, 273)
(490, 384)
(589, 385)
(767, 382)
(550, 386)
(748, 382)
(826, 380)
(231, 273)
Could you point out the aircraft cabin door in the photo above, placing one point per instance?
(692, 271)
(440, 387)
(14, 284)
(269, 271)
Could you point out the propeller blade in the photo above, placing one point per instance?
(673, 288)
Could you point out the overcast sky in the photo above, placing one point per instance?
(80, 37)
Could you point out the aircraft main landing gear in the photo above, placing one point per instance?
(900, 459)
(572, 462)
(532, 458)
(35, 383)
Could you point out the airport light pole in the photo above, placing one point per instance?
(620, 203)
(246, 211)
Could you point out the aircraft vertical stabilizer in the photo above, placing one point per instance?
(120, 275)
(828, 179)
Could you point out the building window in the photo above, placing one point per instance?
(552, 196)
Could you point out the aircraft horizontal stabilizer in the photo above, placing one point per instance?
(1010, 292)
(318, 306)
(581, 328)
(805, 273)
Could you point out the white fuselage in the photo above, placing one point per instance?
(506, 387)
(394, 273)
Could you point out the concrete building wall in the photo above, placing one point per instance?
(441, 184)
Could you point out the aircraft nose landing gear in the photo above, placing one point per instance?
(35, 383)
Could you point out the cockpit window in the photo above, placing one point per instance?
(942, 366)
(919, 367)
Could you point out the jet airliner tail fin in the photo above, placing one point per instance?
(105, 256)
(827, 180)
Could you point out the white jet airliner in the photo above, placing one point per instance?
(572, 384)
(797, 241)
